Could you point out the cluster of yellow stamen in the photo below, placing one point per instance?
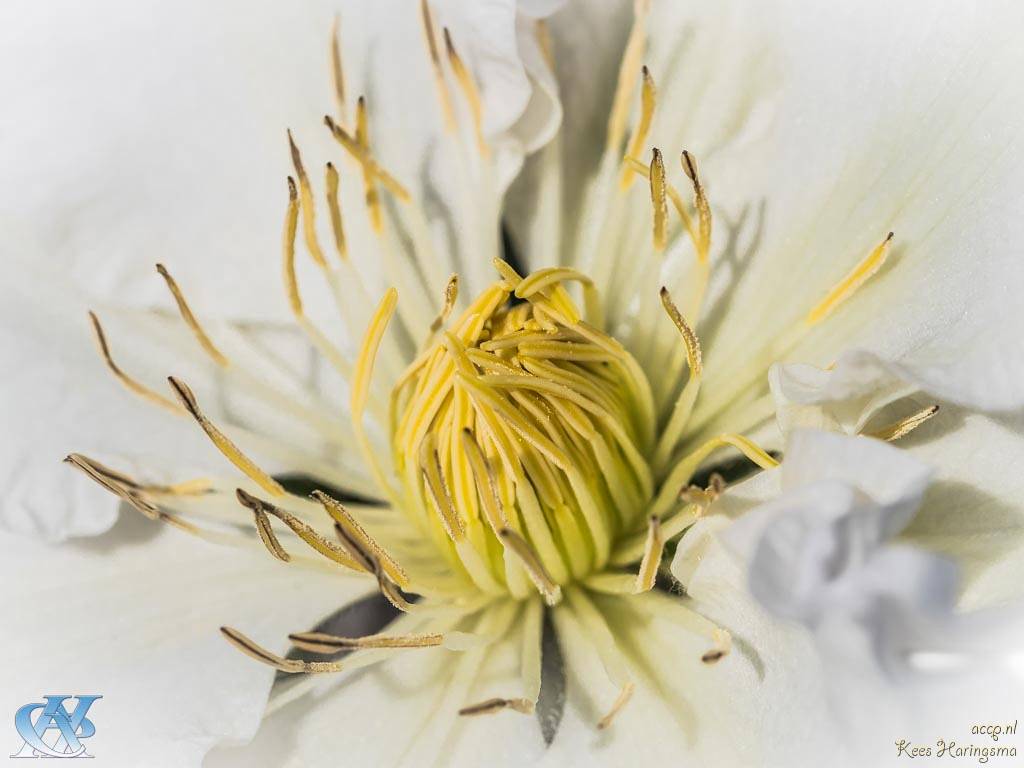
(521, 438)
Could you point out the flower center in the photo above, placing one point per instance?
(521, 437)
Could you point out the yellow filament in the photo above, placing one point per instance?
(362, 376)
(648, 96)
(684, 470)
(362, 155)
(658, 201)
(230, 451)
(653, 548)
(469, 91)
(337, 76)
(334, 208)
(849, 284)
(491, 706)
(435, 64)
(628, 70)
(190, 319)
(369, 185)
(129, 383)
(368, 352)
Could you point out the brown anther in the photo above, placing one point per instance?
(689, 164)
(343, 519)
(723, 644)
(334, 208)
(533, 565)
(118, 484)
(190, 319)
(693, 350)
(129, 383)
(307, 533)
(659, 200)
(291, 666)
(229, 450)
(451, 294)
(904, 427)
(362, 156)
(623, 699)
(267, 535)
(307, 208)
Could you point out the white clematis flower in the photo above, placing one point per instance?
(531, 376)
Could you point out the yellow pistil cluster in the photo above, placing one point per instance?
(521, 437)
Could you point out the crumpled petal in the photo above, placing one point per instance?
(58, 398)
(135, 618)
(911, 591)
(841, 398)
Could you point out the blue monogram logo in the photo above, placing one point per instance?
(55, 732)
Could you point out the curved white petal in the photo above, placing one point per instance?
(146, 133)
(973, 511)
(135, 618)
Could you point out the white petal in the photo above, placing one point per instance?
(59, 398)
(893, 119)
(174, 149)
(134, 618)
